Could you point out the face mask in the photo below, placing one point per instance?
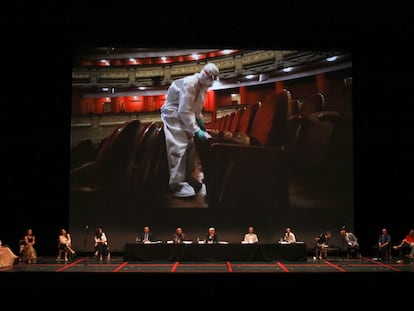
(205, 79)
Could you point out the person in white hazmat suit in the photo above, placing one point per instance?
(181, 114)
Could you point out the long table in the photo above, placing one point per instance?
(215, 252)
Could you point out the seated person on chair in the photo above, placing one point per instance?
(321, 246)
(407, 241)
(101, 244)
(64, 245)
(29, 252)
(351, 243)
(384, 245)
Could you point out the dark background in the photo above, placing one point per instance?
(37, 50)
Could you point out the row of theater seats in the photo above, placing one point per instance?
(237, 122)
(248, 166)
(130, 162)
(253, 157)
(259, 150)
(321, 143)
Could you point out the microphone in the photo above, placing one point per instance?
(86, 227)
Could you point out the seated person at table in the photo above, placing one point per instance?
(101, 244)
(29, 252)
(211, 236)
(146, 236)
(250, 237)
(321, 246)
(289, 236)
(179, 236)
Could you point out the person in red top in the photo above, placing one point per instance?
(409, 240)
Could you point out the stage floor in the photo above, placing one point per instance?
(116, 264)
(85, 276)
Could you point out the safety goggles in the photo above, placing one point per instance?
(211, 76)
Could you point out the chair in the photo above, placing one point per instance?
(63, 252)
(246, 119)
(150, 170)
(227, 121)
(112, 168)
(105, 250)
(321, 251)
(321, 150)
(21, 249)
(27, 253)
(254, 173)
(82, 153)
(353, 252)
(385, 253)
(235, 120)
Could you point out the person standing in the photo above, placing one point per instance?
(182, 117)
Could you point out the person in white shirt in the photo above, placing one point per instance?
(64, 245)
(289, 236)
(101, 244)
(250, 237)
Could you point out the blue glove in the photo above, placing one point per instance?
(201, 135)
(200, 123)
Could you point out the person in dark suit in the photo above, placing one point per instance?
(179, 236)
(211, 236)
(351, 243)
(146, 236)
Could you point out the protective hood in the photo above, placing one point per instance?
(209, 74)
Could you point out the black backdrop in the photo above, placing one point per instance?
(37, 51)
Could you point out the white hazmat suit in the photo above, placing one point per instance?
(181, 114)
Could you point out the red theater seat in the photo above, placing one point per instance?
(255, 172)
